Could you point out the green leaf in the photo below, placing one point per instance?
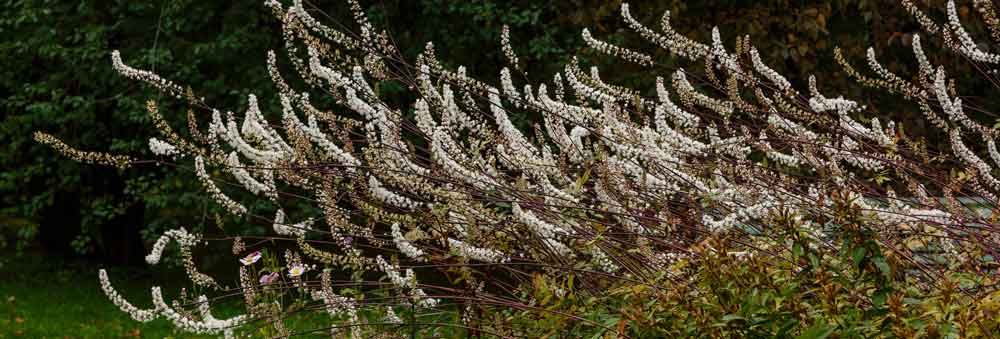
(787, 326)
(859, 255)
(731, 317)
(583, 180)
(813, 260)
(883, 266)
(818, 331)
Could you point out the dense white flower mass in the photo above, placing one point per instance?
(408, 282)
(231, 205)
(160, 147)
(497, 183)
(477, 253)
(389, 197)
(116, 298)
(404, 245)
(298, 229)
(184, 239)
(207, 324)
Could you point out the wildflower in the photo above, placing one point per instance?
(251, 258)
(296, 270)
(269, 278)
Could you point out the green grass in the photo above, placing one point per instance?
(44, 296)
(47, 297)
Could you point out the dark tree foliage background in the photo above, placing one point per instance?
(56, 76)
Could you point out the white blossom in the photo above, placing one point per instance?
(160, 147)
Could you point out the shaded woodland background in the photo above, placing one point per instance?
(56, 76)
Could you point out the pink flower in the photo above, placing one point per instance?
(296, 270)
(250, 258)
(269, 278)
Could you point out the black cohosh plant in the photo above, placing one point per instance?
(721, 202)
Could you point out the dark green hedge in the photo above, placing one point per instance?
(56, 76)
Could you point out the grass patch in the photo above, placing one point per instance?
(46, 296)
(49, 297)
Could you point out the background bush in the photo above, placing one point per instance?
(57, 76)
